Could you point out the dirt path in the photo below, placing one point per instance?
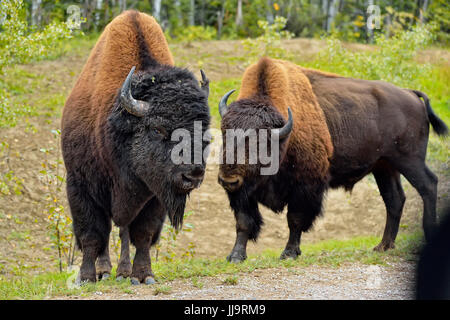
(348, 282)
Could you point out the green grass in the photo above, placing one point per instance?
(217, 90)
(162, 289)
(331, 253)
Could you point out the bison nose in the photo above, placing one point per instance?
(192, 179)
(231, 183)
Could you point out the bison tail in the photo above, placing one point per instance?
(438, 125)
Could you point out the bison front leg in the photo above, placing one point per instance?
(124, 267)
(303, 209)
(292, 249)
(103, 265)
(145, 231)
(248, 225)
(239, 252)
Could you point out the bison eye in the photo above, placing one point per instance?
(159, 132)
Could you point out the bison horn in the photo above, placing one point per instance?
(287, 128)
(205, 83)
(223, 108)
(137, 108)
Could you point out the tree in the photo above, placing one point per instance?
(239, 19)
(157, 9)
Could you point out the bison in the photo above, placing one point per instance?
(116, 143)
(338, 131)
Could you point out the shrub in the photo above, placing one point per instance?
(391, 60)
(269, 43)
(195, 33)
(20, 44)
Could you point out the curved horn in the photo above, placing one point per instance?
(223, 108)
(287, 128)
(205, 83)
(137, 108)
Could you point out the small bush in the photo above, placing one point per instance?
(269, 43)
(194, 33)
(392, 60)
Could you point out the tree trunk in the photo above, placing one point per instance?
(202, 13)
(98, 7)
(157, 10)
(106, 13)
(122, 5)
(423, 11)
(369, 30)
(332, 10)
(178, 10)
(192, 14)
(220, 15)
(239, 19)
(36, 16)
(269, 14)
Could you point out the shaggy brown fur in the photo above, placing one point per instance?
(116, 51)
(287, 86)
(118, 160)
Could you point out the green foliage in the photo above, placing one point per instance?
(60, 224)
(231, 280)
(165, 248)
(392, 60)
(194, 33)
(439, 14)
(267, 44)
(162, 289)
(21, 44)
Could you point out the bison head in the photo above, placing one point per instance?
(150, 106)
(254, 128)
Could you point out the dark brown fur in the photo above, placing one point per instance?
(118, 164)
(375, 127)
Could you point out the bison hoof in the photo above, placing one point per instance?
(149, 281)
(104, 276)
(236, 257)
(123, 270)
(135, 281)
(289, 253)
(384, 246)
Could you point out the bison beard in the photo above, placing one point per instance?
(174, 203)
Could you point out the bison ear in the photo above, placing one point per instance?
(287, 128)
(223, 107)
(204, 83)
(137, 108)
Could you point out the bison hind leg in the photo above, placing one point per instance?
(390, 187)
(91, 228)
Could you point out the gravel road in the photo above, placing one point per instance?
(348, 282)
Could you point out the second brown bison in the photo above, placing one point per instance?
(342, 130)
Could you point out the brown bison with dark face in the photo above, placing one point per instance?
(116, 143)
(341, 129)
